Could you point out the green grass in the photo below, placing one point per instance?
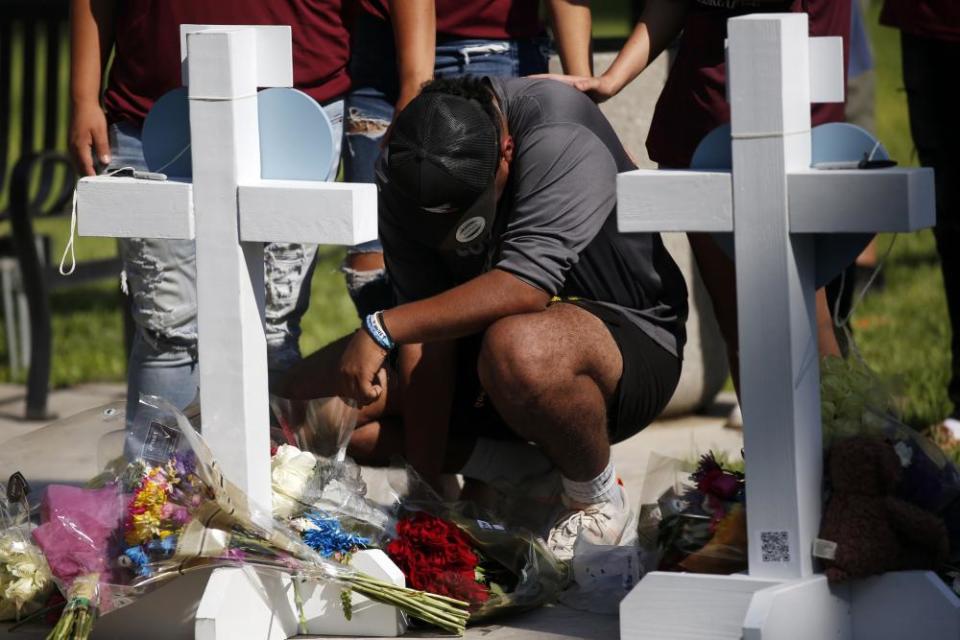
(903, 332)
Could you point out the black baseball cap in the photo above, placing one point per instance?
(438, 169)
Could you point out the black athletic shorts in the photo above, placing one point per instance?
(650, 375)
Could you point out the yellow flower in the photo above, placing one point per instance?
(147, 509)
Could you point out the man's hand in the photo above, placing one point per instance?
(362, 376)
(599, 88)
(88, 136)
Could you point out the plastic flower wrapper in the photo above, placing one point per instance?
(702, 527)
(162, 508)
(458, 550)
(603, 575)
(321, 426)
(855, 402)
(76, 536)
(312, 475)
(25, 580)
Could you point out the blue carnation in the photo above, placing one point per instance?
(327, 538)
(138, 556)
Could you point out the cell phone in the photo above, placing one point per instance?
(836, 166)
(148, 175)
(130, 172)
(853, 164)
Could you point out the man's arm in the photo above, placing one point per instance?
(461, 311)
(661, 22)
(572, 23)
(91, 38)
(464, 310)
(415, 33)
(426, 330)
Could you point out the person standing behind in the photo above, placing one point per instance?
(161, 274)
(693, 104)
(930, 45)
(398, 45)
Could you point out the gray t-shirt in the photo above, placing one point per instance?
(556, 225)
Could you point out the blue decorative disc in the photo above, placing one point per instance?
(296, 136)
(831, 142)
(166, 135)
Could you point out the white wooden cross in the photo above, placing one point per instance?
(774, 203)
(231, 212)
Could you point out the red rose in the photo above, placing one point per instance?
(436, 556)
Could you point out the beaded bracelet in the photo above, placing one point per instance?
(373, 324)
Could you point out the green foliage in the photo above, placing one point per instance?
(903, 332)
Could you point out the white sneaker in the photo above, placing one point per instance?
(603, 523)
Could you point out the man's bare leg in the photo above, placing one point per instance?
(551, 376)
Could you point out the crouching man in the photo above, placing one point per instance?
(523, 313)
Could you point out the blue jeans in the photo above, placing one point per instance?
(160, 278)
(369, 108)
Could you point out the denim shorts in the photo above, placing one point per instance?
(373, 69)
(160, 278)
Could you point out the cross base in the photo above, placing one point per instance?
(674, 606)
(230, 603)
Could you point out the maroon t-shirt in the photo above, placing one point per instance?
(486, 19)
(694, 103)
(938, 19)
(147, 60)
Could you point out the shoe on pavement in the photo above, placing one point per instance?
(603, 523)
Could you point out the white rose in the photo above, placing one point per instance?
(290, 471)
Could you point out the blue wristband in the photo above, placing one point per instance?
(373, 324)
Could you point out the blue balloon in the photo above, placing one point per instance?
(296, 136)
(831, 142)
(166, 135)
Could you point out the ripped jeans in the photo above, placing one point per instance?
(369, 111)
(160, 278)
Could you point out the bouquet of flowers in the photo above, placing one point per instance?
(703, 522)
(25, 580)
(497, 569)
(164, 509)
(316, 488)
(313, 493)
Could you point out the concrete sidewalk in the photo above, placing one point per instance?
(78, 452)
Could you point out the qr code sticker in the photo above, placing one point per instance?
(775, 546)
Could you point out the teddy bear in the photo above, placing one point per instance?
(873, 531)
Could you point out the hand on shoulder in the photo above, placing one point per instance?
(599, 88)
